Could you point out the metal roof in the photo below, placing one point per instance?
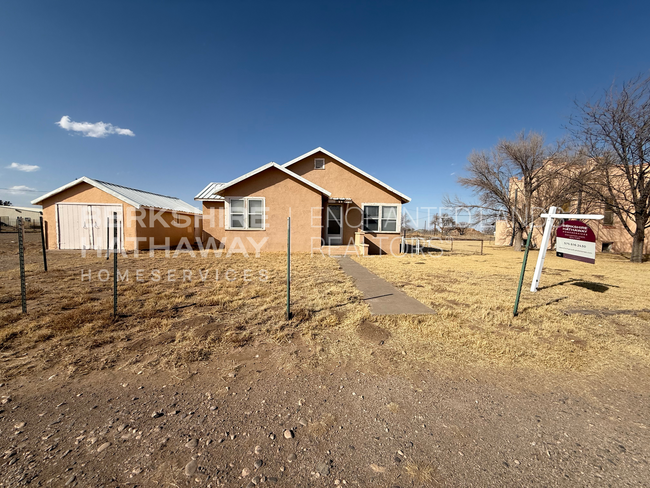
(208, 193)
(137, 198)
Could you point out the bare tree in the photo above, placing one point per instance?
(407, 222)
(447, 223)
(615, 134)
(537, 169)
(436, 223)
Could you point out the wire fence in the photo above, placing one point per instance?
(443, 244)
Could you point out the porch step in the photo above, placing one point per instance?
(340, 250)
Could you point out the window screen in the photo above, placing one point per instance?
(237, 213)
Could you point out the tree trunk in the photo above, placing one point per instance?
(638, 242)
(517, 243)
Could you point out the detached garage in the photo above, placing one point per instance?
(79, 214)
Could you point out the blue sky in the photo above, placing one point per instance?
(403, 89)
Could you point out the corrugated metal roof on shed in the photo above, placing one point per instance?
(137, 198)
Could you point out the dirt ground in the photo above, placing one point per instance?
(196, 383)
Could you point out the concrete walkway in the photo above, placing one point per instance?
(383, 298)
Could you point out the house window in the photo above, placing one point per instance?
(319, 163)
(246, 213)
(371, 218)
(380, 218)
(389, 219)
(609, 215)
(237, 213)
(255, 214)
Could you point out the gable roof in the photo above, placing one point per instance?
(209, 193)
(137, 198)
(264, 168)
(352, 167)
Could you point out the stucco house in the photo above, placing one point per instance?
(330, 201)
(78, 214)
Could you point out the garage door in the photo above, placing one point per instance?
(84, 226)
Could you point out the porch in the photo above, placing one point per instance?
(351, 250)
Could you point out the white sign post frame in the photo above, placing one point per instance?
(546, 237)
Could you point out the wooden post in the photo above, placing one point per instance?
(288, 268)
(481, 247)
(515, 311)
(21, 259)
(43, 244)
(114, 264)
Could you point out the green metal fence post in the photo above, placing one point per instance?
(108, 238)
(515, 311)
(288, 268)
(114, 264)
(43, 243)
(21, 259)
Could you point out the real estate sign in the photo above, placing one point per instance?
(576, 240)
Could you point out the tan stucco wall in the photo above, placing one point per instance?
(284, 196)
(168, 234)
(342, 182)
(616, 234)
(85, 193)
(213, 222)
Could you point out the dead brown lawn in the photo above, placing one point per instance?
(70, 322)
(174, 323)
(474, 297)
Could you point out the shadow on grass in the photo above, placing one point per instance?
(532, 307)
(589, 285)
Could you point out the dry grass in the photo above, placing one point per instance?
(171, 324)
(474, 297)
(421, 473)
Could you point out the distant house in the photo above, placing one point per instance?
(78, 216)
(330, 201)
(8, 215)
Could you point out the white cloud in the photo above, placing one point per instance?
(19, 189)
(87, 129)
(27, 168)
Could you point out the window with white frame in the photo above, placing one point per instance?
(389, 219)
(246, 213)
(380, 218)
(319, 163)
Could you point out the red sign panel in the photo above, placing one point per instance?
(576, 240)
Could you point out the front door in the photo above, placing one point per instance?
(334, 230)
